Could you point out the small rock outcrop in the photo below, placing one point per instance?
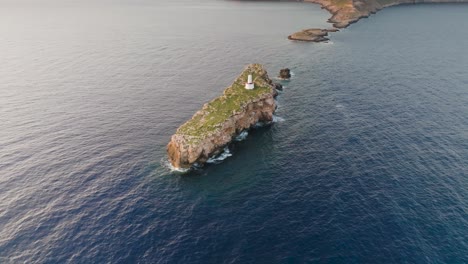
(221, 120)
(312, 35)
(284, 74)
(278, 86)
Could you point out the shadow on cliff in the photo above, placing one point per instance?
(247, 156)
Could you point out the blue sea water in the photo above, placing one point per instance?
(369, 163)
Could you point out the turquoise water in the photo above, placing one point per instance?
(368, 164)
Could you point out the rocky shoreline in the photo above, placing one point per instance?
(347, 12)
(221, 120)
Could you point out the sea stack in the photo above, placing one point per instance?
(285, 73)
(218, 122)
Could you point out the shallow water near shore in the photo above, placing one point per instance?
(368, 165)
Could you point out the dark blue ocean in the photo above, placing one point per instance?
(368, 162)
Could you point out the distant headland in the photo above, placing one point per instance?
(248, 101)
(346, 12)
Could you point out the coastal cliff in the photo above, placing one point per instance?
(219, 121)
(346, 12)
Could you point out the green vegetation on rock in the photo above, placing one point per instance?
(235, 97)
(341, 3)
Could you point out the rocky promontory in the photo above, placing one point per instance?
(346, 12)
(221, 120)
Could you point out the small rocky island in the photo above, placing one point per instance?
(285, 74)
(221, 120)
(312, 35)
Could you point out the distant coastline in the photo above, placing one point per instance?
(346, 12)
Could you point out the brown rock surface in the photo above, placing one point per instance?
(285, 73)
(222, 119)
(346, 12)
(312, 35)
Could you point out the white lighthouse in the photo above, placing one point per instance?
(249, 85)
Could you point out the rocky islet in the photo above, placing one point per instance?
(218, 122)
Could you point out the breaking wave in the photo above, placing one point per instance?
(242, 136)
(167, 164)
(278, 119)
(261, 124)
(219, 158)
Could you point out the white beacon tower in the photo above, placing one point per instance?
(249, 85)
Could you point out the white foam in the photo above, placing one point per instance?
(278, 119)
(169, 166)
(242, 136)
(261, 124)
(217, 159)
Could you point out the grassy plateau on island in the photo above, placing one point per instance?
(235, 97)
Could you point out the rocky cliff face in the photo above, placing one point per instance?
(220, 120)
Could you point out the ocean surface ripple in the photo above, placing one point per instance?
(369, 163)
